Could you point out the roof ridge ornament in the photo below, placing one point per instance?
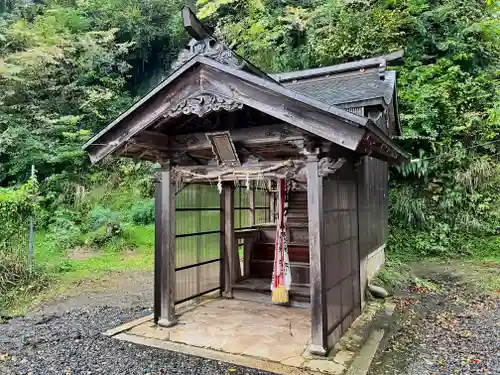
(201, 104)
(203, 43)
(382, 68)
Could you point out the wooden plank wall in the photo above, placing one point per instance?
(373, 201)
(261, 265)
(340, 249)
(297, 218)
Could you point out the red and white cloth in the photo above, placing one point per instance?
(281, 267)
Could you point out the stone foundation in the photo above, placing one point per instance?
(369, 268)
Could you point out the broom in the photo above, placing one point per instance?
(279, 287)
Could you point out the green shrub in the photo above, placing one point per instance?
(441, 241)
(143, 213)
(393, 275)
(15, 273)
(63, 231)
(100, 216)
(102, 235)
(111, 238)
(16, 207)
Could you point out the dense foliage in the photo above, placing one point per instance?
(68, 67)
(17, 206)
(449, 97)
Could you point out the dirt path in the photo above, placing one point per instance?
(446, 326)
(441, 327)
(63, 336)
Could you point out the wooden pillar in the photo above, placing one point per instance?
(272, 202)
(362, 228)
(247, 253)
(252, 203)
(319, 344)
(164, 283)
(227, 243)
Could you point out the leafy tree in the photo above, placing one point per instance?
(61, 82)
(68, 67)
(152, 29)
(448, 90)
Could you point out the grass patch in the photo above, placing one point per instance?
(133, 251)
(482, 274)
(486, 249)
(62, 268)
(393, 276)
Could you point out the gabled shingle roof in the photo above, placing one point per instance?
(335, 90)
(351, 84)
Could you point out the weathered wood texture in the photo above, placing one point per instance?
(261, 264)
(231, 260)
(379, 116)
(340, 251)
(141, 118)
(264, 269)
(211, 87)
(373, 201)
(319, 329)
(292, 111)
(297, 212)
(249, 237)
(165, 245)
(258, 290)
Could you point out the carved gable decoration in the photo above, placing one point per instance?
(201, 104)
(204, 44)
(212, 48)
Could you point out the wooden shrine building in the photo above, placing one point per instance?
(220, 121)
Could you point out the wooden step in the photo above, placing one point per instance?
(264, 269)
(297, 252)
(264, 285)
(298, 232)
(259, 289)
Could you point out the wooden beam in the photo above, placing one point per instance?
(165, 249)
(229, 241)
(193, 25)
(247, 254)
(337, 69)
(234, 177)
(245, 136)
(319, 344)
(265, 169)
(151, 139)
(144, 113)
(322, 120)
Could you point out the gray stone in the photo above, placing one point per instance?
(378, 291)
(343, 356)
(324, 365)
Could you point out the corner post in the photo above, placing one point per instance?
(319, 344)
(164, 283)
(252, 204)
(227, 242)
(272, 203)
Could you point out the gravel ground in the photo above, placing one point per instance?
(64, 336)
(452, 330)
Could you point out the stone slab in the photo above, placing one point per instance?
(239, 360)
(247, 333)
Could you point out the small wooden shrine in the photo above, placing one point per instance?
(217, 119)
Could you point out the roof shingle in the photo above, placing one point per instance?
(342, 89)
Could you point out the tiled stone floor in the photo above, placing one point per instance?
(269, 332)
(247, 333)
